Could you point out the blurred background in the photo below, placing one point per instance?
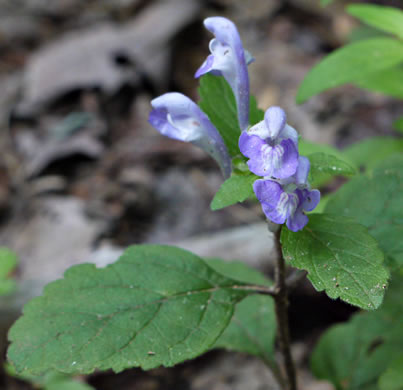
(82, 173)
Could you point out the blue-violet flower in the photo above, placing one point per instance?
(229, 59)
(271, 146)
(176, 116)
(287, 200)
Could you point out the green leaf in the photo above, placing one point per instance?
(349, 64)
(398, 125)
(307, 147)
(377, 203)
(8, 261)
(235, 189)
(387, 81)
(52, 380)
(157, 305)
(325, 166)
(253, 326)
(368, 153)
(68, 384)
(340, 257)
(218, 102)
(389, 19)
(354, 354)
(392, 378)
(365, 32)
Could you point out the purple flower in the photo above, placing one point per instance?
(229, 59)
(286, 203)
(271, 146)
(176, 116)
(286, 200)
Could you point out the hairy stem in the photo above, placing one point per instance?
(281, 305)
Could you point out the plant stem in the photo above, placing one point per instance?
(281, 305)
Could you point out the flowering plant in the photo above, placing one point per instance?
(160, 305)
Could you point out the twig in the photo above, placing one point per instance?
(281, 304)
(263, 290)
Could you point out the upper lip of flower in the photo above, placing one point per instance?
(228, 59)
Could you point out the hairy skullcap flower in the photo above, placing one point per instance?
(176, 116)
(229, 59)
(271, 146)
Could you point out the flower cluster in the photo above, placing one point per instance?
(272, 148)
(270, 145)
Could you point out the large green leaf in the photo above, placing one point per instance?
(354, 354)
(218, 102)
(368, 153)
(157, 305)
(387, 81)
(376, 202)
(325, 166)
(392, 378)
(8, 261)
(235, 189)
(389, 19)
(349, 64)
(340, 257)
(253, 326)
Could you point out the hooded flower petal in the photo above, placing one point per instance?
(271, 146)
(289, 132)
(228, 59)
(275, 120)
(176, 116)
(279, 161)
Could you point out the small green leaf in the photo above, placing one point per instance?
(387, 81)
(235, 189)
(392, 378)
(218, 102)
(340, 257)
(325, 166)
(8, 261)
(307, 147)
(377, 203)
(157, 305)
(398, 125)
(368, 153)
(253, 326)
(389, 19)
(349, 64)
(354, 354)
